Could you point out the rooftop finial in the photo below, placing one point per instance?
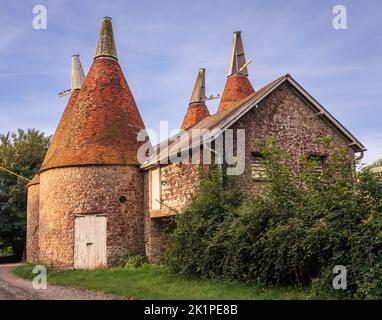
(106, 46)
(199, 92)
(78, 75)
(238, 64)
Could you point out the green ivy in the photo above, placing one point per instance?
(293, 233)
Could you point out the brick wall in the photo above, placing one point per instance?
(33, 223)
(90, 189)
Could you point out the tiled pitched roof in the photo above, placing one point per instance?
(213, 123)
(219, 121)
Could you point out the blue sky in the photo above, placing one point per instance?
(162, 44)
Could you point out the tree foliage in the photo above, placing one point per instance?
(21, 152)
(294, 232)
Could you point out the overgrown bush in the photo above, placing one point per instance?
(197, 225)
(295, 231)
(133, 261)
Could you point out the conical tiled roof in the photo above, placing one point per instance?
(197, 109)
(195, 113)
(35, 181)
(238, 85)
(76, 83)
(236, 88)
(102, 125)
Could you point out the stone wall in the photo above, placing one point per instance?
(285, 115)
(32, 246)
(85, 190)
(178, 183)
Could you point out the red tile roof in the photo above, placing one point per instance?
(61, 128)
(35, 181)
(221, 120)
(237, 88)
(102, 125)
(195, 113)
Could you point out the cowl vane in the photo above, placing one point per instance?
(106, 45)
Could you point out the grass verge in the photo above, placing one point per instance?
(156, 282)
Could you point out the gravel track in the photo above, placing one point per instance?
(15, 288)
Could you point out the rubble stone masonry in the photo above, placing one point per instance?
(283, 114)
(88, 190)
(298, 129)
(32, 249)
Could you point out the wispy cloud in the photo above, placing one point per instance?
(162, 44)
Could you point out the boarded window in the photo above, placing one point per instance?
(155, 189)
(318, 162)
(259, 172)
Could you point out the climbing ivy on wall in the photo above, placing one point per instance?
(293, 233)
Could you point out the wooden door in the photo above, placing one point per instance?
(89, 241)
(155, 189)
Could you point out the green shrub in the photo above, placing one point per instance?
(293, 233)
(134, 261)
(196, 226)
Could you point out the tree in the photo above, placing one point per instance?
(22, 153)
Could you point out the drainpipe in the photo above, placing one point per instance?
(360, 156)
(356, 159)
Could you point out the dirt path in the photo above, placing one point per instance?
(15, 288)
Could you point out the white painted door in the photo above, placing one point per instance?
(155, 189)
(89, 241)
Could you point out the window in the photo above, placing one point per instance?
(259, 172)
(155, 189)
(318, 163)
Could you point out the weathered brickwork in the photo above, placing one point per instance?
(85, 190)
(285, 115)
(32, 248)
